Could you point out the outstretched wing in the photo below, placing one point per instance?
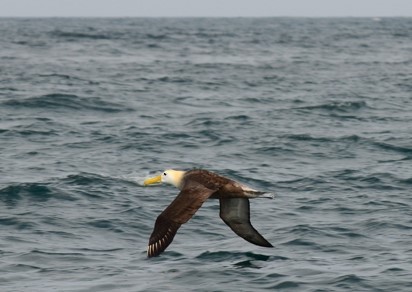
(183, 207)
(235, 213)
(162, 235)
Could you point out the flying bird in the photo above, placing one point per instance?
(196, 186)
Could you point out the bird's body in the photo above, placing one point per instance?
(196, 186)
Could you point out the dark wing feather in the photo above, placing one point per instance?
(162, 235)
(236, 214)
(183, 207)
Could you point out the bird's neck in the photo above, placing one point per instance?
(178, 178)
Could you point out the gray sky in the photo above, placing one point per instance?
(116, 8)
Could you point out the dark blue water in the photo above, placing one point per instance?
(318, 111)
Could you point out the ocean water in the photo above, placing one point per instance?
(317, 111)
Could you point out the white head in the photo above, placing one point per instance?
(169, 176)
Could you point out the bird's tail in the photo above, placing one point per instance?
(259, 194)
(268, 195)
(252, 193)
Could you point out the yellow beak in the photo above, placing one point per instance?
(153, 180)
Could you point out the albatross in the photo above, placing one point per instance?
(196, 186)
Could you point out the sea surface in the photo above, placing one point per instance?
(317, 111)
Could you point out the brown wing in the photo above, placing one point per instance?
(187, 202)
(235, 213)
(206, 178)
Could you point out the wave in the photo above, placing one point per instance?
(395, 148)
(17, 223)
(174, 80)
(66, 102)
(68, 77)
(66, 188)
(376, 180)
(157, 37)
(70, 35)
(286, 285)
(307, 137)
(16, 192)
(225, 256)
(337, 106)
(348, 139)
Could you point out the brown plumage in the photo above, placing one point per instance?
(196, 187)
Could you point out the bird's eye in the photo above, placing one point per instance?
(164, 173)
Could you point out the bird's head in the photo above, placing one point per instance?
(170, 176)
